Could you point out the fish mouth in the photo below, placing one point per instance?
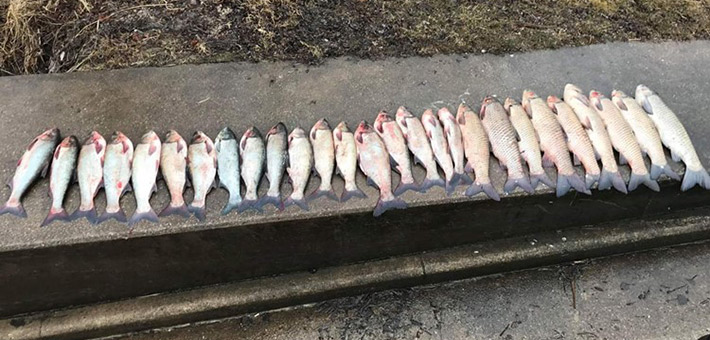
(509, 102)
(402, 112)
(573, 88)
(364, 126)
(383, 117)
(172, 136)
(69, 142)
(552, 103)
(322, 124)
(444, 113)
(643, 92)
(50, 134)
(277, 129)
(342, 126)
(149, 137)
(198, 137)
(297, 133)
(617, 93)
(117, 137)
(226, 134)
(595, 98)
(252, 132)
(93, 137)
(488, 100)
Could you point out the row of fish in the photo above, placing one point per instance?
(537, 132)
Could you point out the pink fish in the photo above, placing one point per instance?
(89, 172)
(396, 145)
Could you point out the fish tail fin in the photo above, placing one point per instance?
(609, 179)
(299, 202)
(590, 179)
(644, 179)
(536, 179)
(403, 187)
(60, 215)
(233, 203)
(521, 182)
(567, 182)
(17, 210)
(465, 179)
(90, 215)
(199, 212)
(348, 194)
(119, 216)
(693, 177)
(273, 200)
(327, 193)
(172, 210)
(452, 183)
(487, 188)
(429, 182)
(394, 203)
(657, 171)
(146, 215)
(249, 204)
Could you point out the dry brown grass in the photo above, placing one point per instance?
(20, 46)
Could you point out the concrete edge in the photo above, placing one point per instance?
(288, 290)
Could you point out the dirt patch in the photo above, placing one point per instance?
(69, 35)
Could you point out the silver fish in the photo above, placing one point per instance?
(252, 151)
(418, 144)
(117, 175)
(202, 163)
(324, 157)
(623, 139)
(675, 137)
(396, 145)
(504, 144)
(33, 163)
(454, 139)
(173, 166)
(374, 163)
(89, 172)
(478, 152)
(594, 126)
(346, 160)
(228, 170)
(146, 162)
(300, 155)
(276, 161)
(440, 146)
(60, 178)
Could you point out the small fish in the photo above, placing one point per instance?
(173, 166)
(623, 139)
(577, 139)
(646, 134)
(146, 162)
(300, 160)
(440, 146)
(675, 137)
(454, 139)
(202, 163)
(418, 143)
(374, 163)
(33, 163)
(594, 126)
(252, 151)
(60, 178)
(478, 152)
(324, 157)
(276, 161)
(117, 175)
(396, 145)
(346, 160)
(529, 144)
(504, 144)
(228, 170)
(89, 172)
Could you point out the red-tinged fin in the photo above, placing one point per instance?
(378, 127)
(45, 169)
(462, 119)
(199, 212)
(404, 122)
(428, 134)
(359, 138)
(179, 210)
(119, 216)
(55, 216)
(32, 143)
(157, 164)
(313, 134)
(125, 146)
(486, 188)
(482, 114)
(140, 216)
(98, 147)
(19, 161)
(179, 146)
(18, 210)
(152, 149)
(243, 144)
(208, 147)
(432, 121)
(90, 215)
(301, 203)
(56, 152)
(383, 206)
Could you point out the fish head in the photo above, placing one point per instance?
(172, 137)
(618, 97)
(461, 113)
(362, 128)
(528, 96)
(339, 130)
(402, 115)
(509, 102)
(321, 124)
(573, 92)
(93, 137)
(118, 137)
(382, 117)
(50, 134)
(69, 142)
(552, 102)
(429, 119)
(251, 132)
(199, 137)
(278, 129)
(444, 114)
(149, 137)
(595, 99)
(642, 93)
(487, 101)
(298, 132)
(342, 126)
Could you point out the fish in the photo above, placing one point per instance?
(89, 172)
(454, 139)
(529, 144)
(578, 141)
(418, 143)
(324, 157)
(346, 161)
(173, 166)
(146, 162)
(60, 177)
(674, 137)
(478, 152)
(374, 163)
(252, 151)
(396, 146)
(300, 160)
(117, 175)
(276, 162)
(553, 143)
(228, 170)
(202, 163)
(623, 139)
(646, 134)
(504, 144)
(33, 163)
(594, 126)
(440, 147)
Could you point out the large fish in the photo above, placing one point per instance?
(300, 156)
(60, 178)
(228, 170)
(440, 146)
(252, 151)
(33, 163)
(454, 139)
(276, 161)
(117, 175)
(346, 160)
(396, 145)
(89, 173)
(173, 166)
(675, 137)
(646, 134)
(324, 157)
(529, 144)
(504, 144)
(202, 163)
(478, 152)
(577, 139)
(418, 144)
(623, 139)
(594, 126)
(146, 162)
(374, 163)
